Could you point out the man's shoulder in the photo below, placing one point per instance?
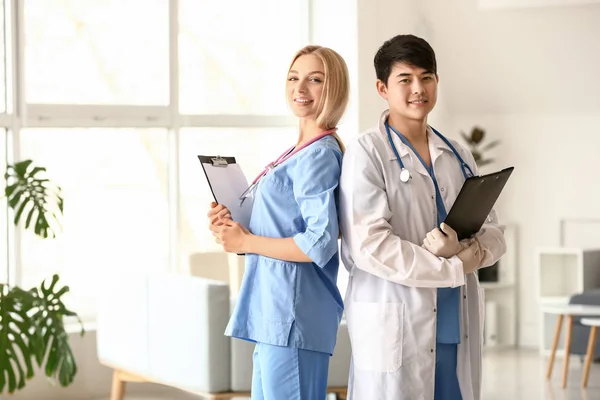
(370, 138)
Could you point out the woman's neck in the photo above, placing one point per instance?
(308, 131)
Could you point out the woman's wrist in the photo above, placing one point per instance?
(249, 243)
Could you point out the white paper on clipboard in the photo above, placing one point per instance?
(227, 182)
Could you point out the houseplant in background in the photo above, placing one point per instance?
(476, 146)
(32, 321)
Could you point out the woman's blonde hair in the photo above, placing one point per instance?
(336, 87)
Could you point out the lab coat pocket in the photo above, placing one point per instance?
(376, 335)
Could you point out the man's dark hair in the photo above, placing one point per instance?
(407, 49)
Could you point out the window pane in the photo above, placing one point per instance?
(2, 57)
(234, 54)
(115, 213)
(4, 265)
(97, 51)
(253, 149)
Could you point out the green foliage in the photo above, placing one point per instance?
(34, 197)
(476, 146)
(32, 330)
(32, 327)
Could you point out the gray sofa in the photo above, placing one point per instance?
(581, 333)
(168, 329)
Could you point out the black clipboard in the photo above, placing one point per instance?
(475, 202)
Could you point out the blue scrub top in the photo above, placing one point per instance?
(285, 303)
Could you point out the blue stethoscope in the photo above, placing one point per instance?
(405, 173)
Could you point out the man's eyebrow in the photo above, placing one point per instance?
(401, 74)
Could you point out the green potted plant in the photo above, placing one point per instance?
(32, 329)
(476, 146)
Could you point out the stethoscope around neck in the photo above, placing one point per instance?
(405, 173)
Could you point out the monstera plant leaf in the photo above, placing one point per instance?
(16, 333)
(30, 194)
(51, 341)
(32, 329)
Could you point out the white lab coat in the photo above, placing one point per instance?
(391, 299)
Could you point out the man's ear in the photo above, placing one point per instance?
(381, 89)
(437, 78)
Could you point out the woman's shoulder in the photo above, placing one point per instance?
(326, 145)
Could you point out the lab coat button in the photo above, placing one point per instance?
(466, 336)
(465, 297)
(442, 189)
(435, 310)
(432, 350)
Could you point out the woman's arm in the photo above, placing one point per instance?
(316, 178)
(235, 238)
(279, 248)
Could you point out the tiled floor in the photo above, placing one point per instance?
(508, 375)
(521, 375)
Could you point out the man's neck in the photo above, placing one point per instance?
(415, 131)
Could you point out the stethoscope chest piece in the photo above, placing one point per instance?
(404, 175)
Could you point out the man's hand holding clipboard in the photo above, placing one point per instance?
(475, 202)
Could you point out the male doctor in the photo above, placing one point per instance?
(414, 306)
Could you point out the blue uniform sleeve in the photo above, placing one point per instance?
(316, 179)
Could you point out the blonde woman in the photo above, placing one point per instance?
(289, 303)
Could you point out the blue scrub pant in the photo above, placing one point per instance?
(287, 373)
(446, 380)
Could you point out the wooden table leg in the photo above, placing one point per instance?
(590, 355)
(557, 331)
(567, 350)
(118, 387)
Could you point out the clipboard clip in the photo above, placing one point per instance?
(219, 161)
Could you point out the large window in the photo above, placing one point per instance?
(234, 54)
(97, 51)
(116, 212)
(2, 64)
(4, 262)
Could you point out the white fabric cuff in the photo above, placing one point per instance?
(459, 274)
